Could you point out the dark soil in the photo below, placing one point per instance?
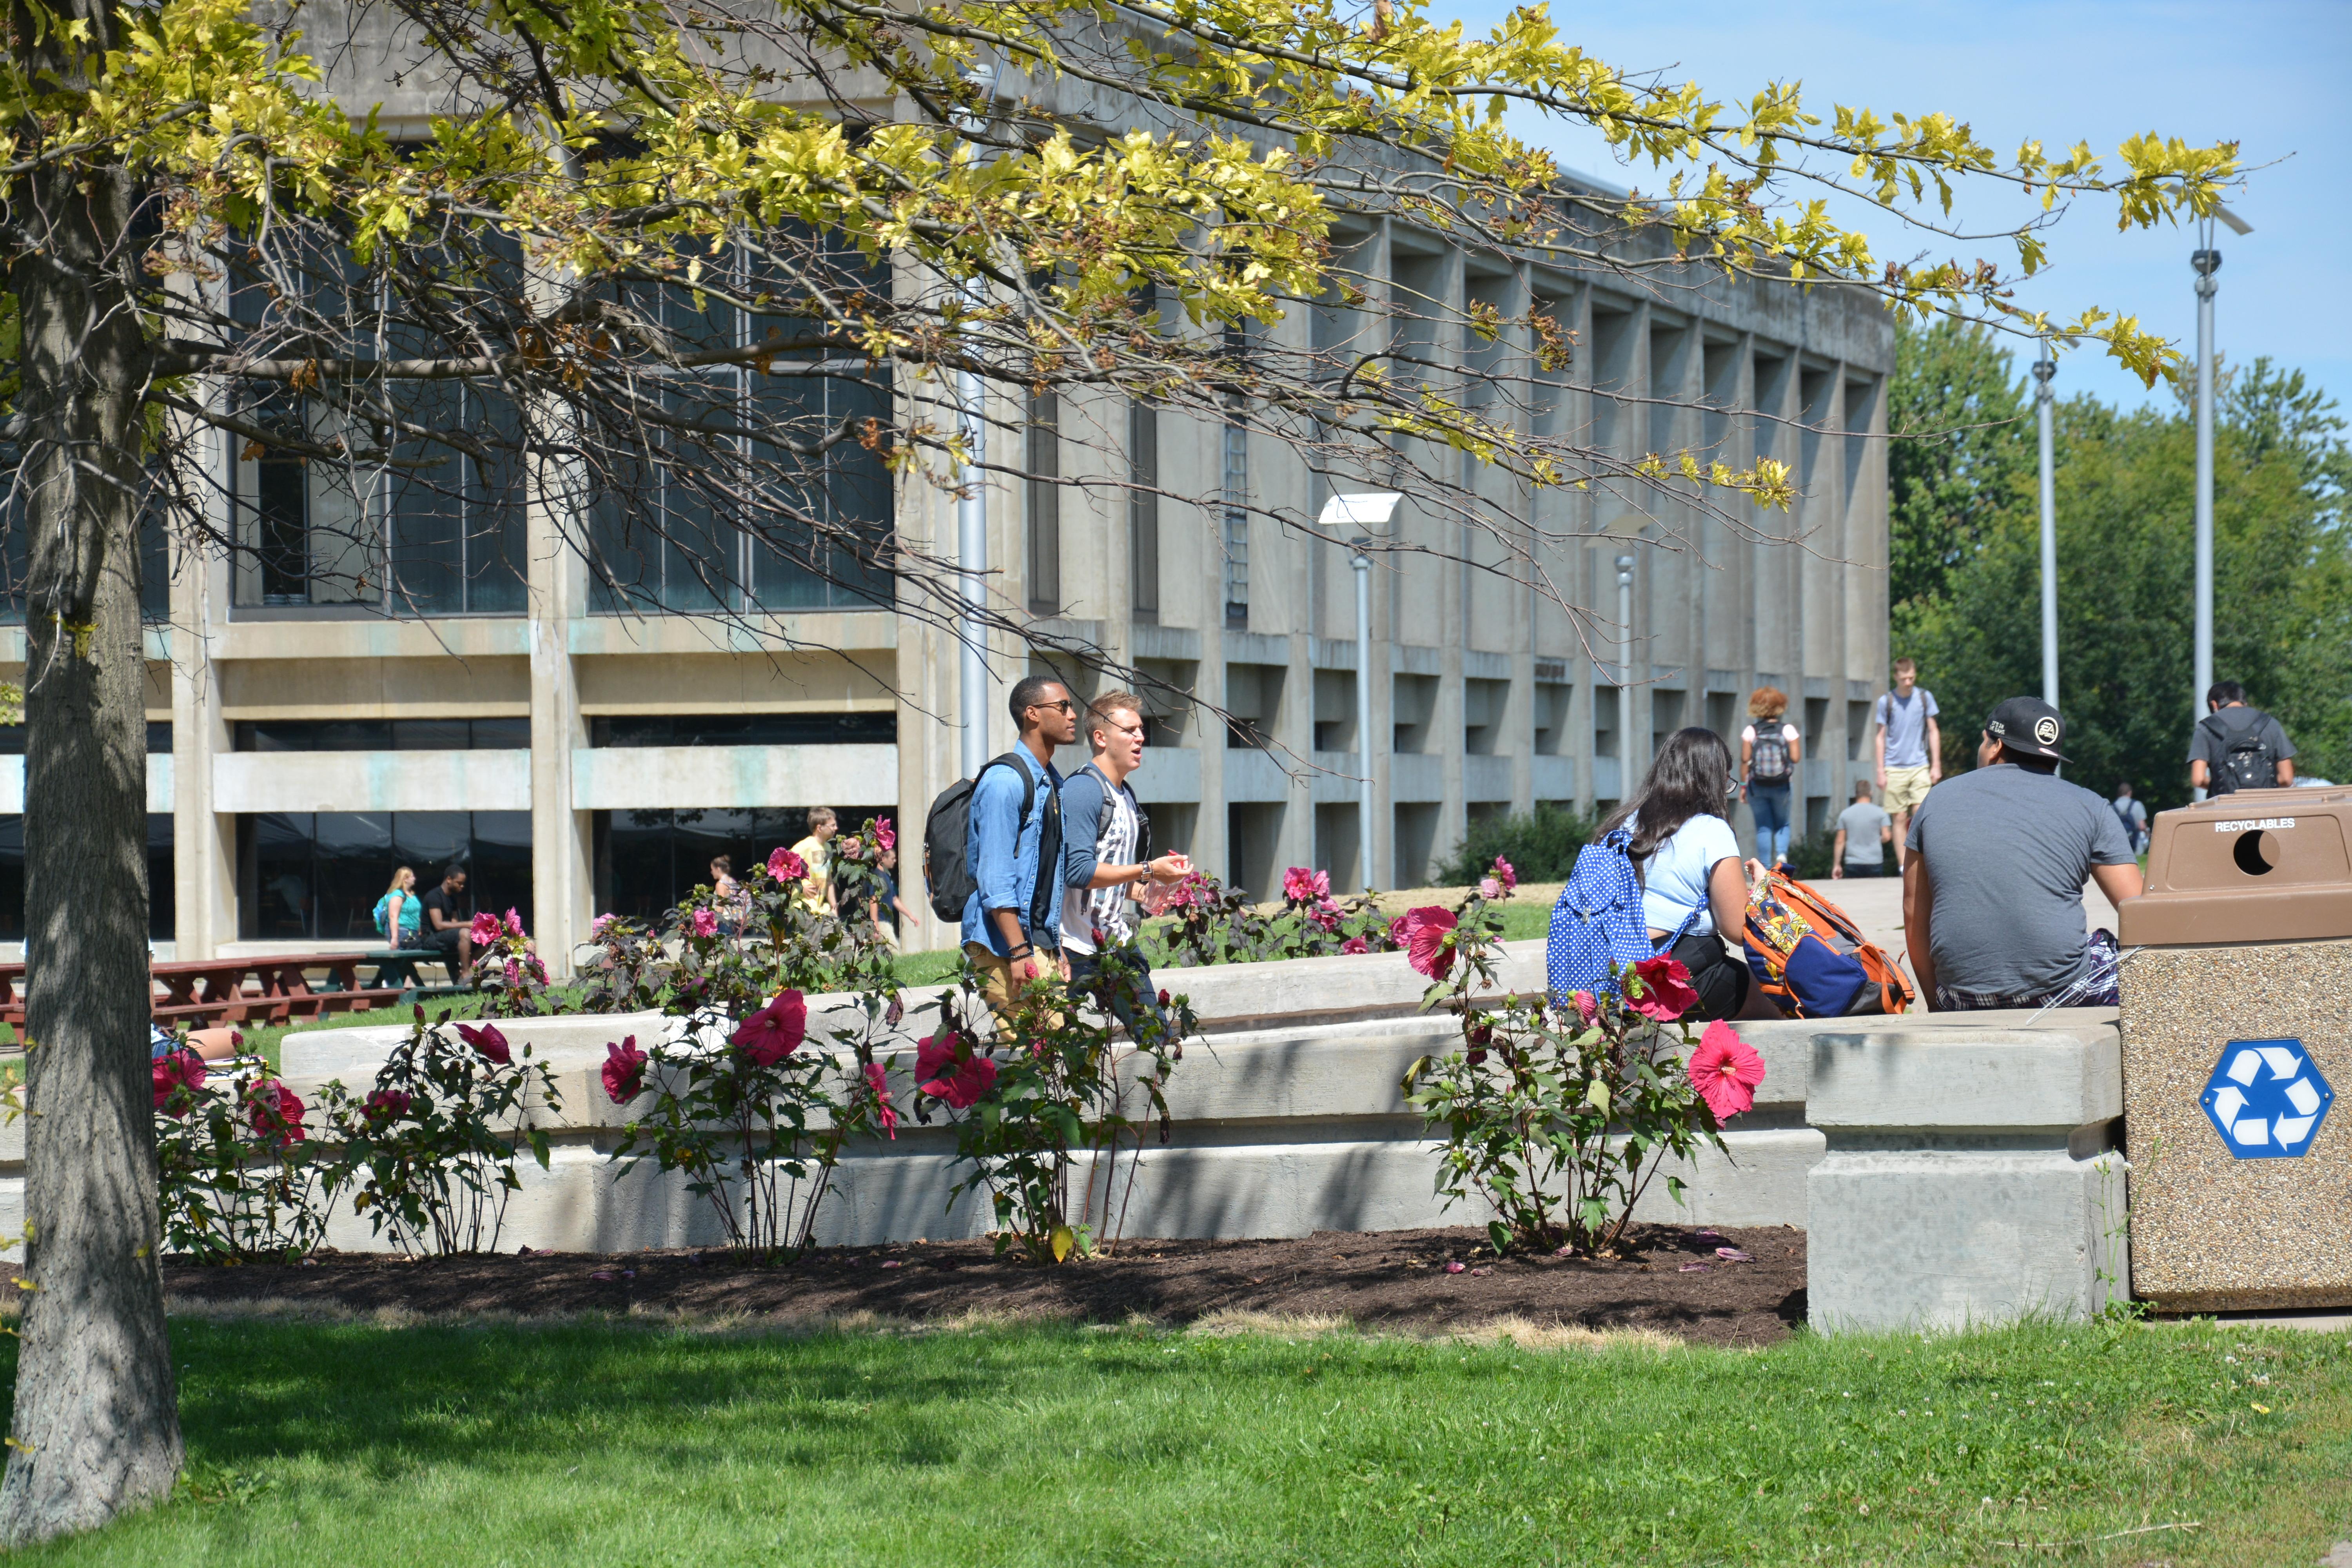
(1670, 1280)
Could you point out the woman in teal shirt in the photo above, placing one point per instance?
(399, 917)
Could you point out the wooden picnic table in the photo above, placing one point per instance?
(273, 989)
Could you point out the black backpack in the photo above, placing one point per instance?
(2248, 760)
(1769, 762)
(947, 829)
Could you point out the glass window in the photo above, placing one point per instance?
(647, 861)
(745, 729)
(160, 900)
(316, 876)
(736, 519)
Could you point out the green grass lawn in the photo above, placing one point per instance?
(591, 1443)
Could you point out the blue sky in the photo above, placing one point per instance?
(2275, 75)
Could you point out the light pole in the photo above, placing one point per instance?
(2205, 261)
(1368, 512)
(971, 523)
(1624, 638)
(2044, 369)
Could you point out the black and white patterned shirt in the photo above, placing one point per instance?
(1102, 825)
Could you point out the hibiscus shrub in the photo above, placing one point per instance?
(755, 1122)
(1044, 1108)
(1558, 1117)
(1203, 922)
(240, 1174)
(429, 1153)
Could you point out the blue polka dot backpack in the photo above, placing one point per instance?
(1597, 926)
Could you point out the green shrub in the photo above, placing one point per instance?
(1540, 845)
(1809, 856)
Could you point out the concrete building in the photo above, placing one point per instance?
(585, 754)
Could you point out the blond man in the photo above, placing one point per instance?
(1908, 748)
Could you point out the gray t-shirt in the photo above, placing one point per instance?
(1862, 824)
(2233, 722)
(2008, 851)
(1906, 726)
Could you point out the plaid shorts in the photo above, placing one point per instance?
(2097, 988)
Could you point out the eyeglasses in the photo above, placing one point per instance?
(1732, 788)
(1134, 730)
(1065, 705)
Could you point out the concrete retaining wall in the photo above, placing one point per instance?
(1950, 1168)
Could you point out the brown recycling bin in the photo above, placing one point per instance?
(2237, 1033)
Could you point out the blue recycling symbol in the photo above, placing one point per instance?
(2266, 1099)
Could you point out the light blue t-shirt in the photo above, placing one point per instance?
(1906, 726)
(1673, 882)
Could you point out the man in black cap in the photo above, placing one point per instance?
(1992, 894)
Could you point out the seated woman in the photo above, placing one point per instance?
(1693, 885)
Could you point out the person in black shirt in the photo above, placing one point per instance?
(446, 922)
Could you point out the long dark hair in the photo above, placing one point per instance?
(1690, 778)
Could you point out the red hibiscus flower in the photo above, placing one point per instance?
(276, 1112)
(1726, 1069)
(181, 1068)
(488, 1041)
(384, 1104)
(624, 1071)
(486, 930)
(1355, 945)
(885, 835)
(784, 866)
(772, 1033)
(1665, 989)
(948, 1068)
(885, 1115)
(1428, 933)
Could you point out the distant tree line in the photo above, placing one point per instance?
(1966, 564)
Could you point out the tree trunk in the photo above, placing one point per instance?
(96, 1427)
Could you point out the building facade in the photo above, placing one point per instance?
(583, 751)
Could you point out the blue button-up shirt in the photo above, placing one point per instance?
(1001, 851)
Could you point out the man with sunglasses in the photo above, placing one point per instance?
(1011, 921)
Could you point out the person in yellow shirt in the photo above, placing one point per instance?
(815, 852)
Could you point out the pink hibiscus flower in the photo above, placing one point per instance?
(1665, 988)
(1726, 1069)
(486, 930)
(948, 1068)
(276, 1112)
(1428, 939)
(488, 1041)
(1301, 885)
(784, 866)
(597, 927)
(705, 922)
(1505, 874)
(514, 923)
(774, 1031)
(885, 835)
(1588, 1008)
(885, 1115)
(624, 1071)
(181, 1068)
(1355, 945)
(1489, 889)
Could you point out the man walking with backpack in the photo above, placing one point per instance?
(1910, 751)
(2236, 747)
(1012, 918)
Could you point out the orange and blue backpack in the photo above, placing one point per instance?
(1810, 958)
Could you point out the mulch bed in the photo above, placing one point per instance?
(1671, 1280)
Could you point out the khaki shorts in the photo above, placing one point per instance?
(996, 975)
(1906, 788)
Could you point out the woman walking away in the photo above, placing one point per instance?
(399, 917)
(1693, 887)
(1770, 751)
